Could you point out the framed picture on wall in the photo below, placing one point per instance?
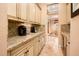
(74, 9)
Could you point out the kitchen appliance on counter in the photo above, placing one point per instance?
(23, 29)
(34, 28)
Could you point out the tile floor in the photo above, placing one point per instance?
(51, 48)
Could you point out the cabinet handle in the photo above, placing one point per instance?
(27, 51)
(68, 42)
(38, 40)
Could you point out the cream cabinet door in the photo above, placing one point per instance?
(36, 47)
(22, 53)
(18, 10)
(39, 12)
(30, 52)
(27, 12)
(23, 11)
(32, 12)
(43, 40)
(40, 43)
(36, 20)
(27, 52)
(11, 9)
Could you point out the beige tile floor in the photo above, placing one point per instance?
(51, 48)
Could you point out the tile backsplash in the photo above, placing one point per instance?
(12, 28)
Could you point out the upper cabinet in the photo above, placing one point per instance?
(32, 12)
(11, 9)
(27, 12)
(38, 14)
(23, 11)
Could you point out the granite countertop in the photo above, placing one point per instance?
(15, 41)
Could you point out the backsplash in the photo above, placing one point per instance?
(12, 28)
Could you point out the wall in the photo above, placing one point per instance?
(3, 29)
(74, 36)
(62, 13)
(74, 33)
(65, 17)
(12, 28)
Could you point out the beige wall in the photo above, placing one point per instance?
(62, 13)
(74, 32)
(3, 29)
(74, 36)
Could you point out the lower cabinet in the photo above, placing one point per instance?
(26, 52)
(39, 42)
(32, 48)
(36, 47)
(29, 52)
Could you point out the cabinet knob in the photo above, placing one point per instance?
(68, 42)
(38, 40)
(27, 51)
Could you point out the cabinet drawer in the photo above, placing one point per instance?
(36, 47)
(26, 52)
(21, 48)
(29, 51)
(22, 53)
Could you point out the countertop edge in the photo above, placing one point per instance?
(11, 47)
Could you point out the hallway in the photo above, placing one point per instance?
(51, 48)
(51, 29)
